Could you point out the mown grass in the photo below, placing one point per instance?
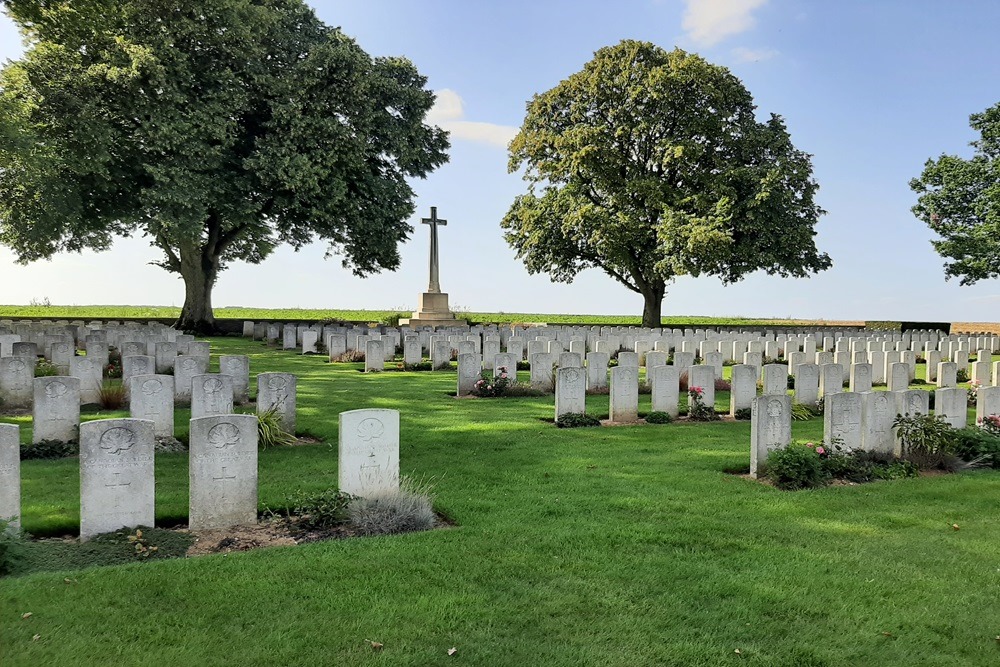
(317, 314)
(611, 546)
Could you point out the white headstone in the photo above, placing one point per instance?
(151, 397)
(10, 475)
(374, 356)
(877, 414)
(278, 391)
(223, 472)
(369, 452)
(237, 367)
(624, 394)
(541, 371)
(665, 389)
(704, 377)
(842, 419)
(470, 367)
(571, 390)
(899, 377)
(952, 404)
(987, 403)
(211, 394)
(597, 370)
(16, 377)
(770, 428)
(744, 388)
(775, 379)
(807, 384)
(117, 484)
(56, 409)
(861, 378)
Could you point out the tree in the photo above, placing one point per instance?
(650, 164)
(960, 201)
(218, 128)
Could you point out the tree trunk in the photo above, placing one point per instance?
(199, 270)
(653, 306)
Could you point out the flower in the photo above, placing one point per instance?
(696, 391)
(820, 451)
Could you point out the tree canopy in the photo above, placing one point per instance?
(960, 201)
(218, 128)
(650, 164)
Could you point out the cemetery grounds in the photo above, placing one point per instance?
(627, 545)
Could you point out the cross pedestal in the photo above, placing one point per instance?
(432, 308)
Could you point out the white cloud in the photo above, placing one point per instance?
(448, 114)
(745, 55)
(708, 22)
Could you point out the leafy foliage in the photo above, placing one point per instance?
(651, 164)
(960, 202)
(45, 368)
(112, 395)
(576, 420)
(797, 466)
(49, 449)
(657, 417)
(490, 386)
(218, 129)
(321, 510)
(269, 430)
(697, 410)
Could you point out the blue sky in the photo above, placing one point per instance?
(870, 89)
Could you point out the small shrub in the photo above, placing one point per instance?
(45, 368)
(802, 412)
(743, 414)
(924, 436)
(791, 381)
(269, 430)
(488, 386)
(405, 510)
(519, 389)
(10, 539)
(114, 368)
(421, 366)
(659, 418)
(321, 346)
(972, 393)
(722, 384)
(111, 396)
(322, 510)
(645, 387)
(576, 420)
(49, 449)
(350, 357)
(697, 410)
(523, 365)
(798, 466)
(962, 375)
(979, 444)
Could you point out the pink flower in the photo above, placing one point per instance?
(820, 451)
(503, 376)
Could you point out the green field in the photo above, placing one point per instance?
(158, 312)
(613, 546)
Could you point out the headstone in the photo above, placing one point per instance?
(683, 361)
(56, 409)
(654, 358)
(199, 348)
(947, 374)
(912, 402)
(504, 362)
(877, 414)
(570, 360)
(25, 349)
(980, 372)
(133, 365)
(289, 337)
(831, 379)
(842, 420)
(309, 340)
(151, 397)
(861, 378)
(899, 377)
(237, 366)
(441, 355)
(952, 404)
(117, 484)
(278, 391)
(571, 390)
(374, 356)
(10, 476)
(185, 369)
(597, 370)
(932, 358)
(211, 394)
(368, 452)
(336, 346)
(665, 389)
(877, 359)
(987, 403)
(165, 354)
(624, 394)
(744, 388)
(61, 353)
(16, 377)
(541, 371)
(704, 377)
(469, 369)
(807, 384)
(770, 428)
(775, 379)
(628, 359)
(223, 472)
(412, 351)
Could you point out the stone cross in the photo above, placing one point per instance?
(434, 286)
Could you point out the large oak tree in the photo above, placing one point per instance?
(650, 164)
(218, 128)
(960, 201)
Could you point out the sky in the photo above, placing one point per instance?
(871, 89)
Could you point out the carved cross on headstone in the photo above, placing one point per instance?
(434, 286)
(118, 482)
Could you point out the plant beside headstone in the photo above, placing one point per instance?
(406, 509)
(112, 395)
(576, 420)
(269, 430)
(45, 368)
(658, 418)
(114, 367)
(697, 410)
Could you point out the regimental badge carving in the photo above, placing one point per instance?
(774, 408)
(277, 382)
(370, 429)
(212, 386)
(117, 440)
(224, 435)
(17, 366)
(55, 389)
(234, 365)
(189, 364)
(571, 375)
(152, 387)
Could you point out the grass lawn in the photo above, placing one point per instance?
(611, 546)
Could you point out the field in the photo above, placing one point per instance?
(157, 312)
(623, 545)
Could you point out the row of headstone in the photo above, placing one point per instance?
(117, 464)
